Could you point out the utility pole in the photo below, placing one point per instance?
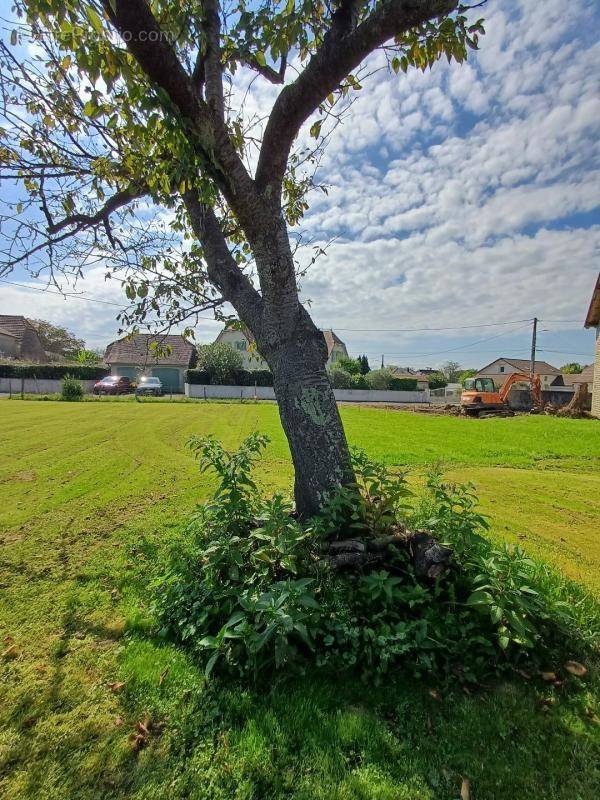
(533, 343)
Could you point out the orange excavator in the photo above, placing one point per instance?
(481, 399)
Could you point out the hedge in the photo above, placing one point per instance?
(403, 384)
(196, 376)
(52, 371)
(241, 377)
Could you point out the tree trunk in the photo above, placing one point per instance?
(296, 352)
(311, 421)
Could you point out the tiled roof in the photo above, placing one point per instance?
(523, 365)
(331, 339)
(140, 350)
(585, 376)
(30, 346)
(403, 372)
(593, 315)
(6, 332)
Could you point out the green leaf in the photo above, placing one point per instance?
(309, 601)
(479, 598)
(315, 128)
(260, 57)
(95, 20)
(210, 664)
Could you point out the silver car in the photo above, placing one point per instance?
(148, 384)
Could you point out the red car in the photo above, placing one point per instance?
(113, 384)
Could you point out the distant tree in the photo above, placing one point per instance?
(364, 365)
(451, 371)
(87, 357)
(56, 339)
(572, 368)
(350, 365)
(467, 373)
(437, 380)
(220, 361)
(380, 378)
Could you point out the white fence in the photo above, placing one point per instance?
(211, 392)
(37, 385)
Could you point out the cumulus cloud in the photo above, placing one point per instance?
(463, 195)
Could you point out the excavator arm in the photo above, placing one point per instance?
(521, 377)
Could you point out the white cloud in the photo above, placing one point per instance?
(452, 193)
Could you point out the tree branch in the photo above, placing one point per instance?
(149, 45)
(273, 76)
(101, 216)
(339, 54)
(221, 266)
(213, 69)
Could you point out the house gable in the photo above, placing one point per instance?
(28, 346)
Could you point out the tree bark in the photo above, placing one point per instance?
(296, 353)
(310, 419)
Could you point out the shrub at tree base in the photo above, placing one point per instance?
(71, 389)
(250, 590)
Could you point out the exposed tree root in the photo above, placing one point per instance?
(429, 558)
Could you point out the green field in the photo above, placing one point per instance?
(88, 490)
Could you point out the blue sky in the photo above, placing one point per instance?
(465, 196)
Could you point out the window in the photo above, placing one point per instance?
(240, 345)
(501, 369)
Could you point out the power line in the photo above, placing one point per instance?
(61, 294)
(74, 296)
(420, 330)
(565, 352)
(460, 348)
(560, 320)
(345, 330)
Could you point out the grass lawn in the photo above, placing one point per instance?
(88, 490)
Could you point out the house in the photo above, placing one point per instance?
(165, 356)
(336, 349)
(575, 378)
(501, 368)
(241, 339)
(404, 372)
(20, 340)
(593, 321)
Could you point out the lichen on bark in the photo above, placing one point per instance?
(310, 402)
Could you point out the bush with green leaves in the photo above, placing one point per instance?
(350, 365)
(403, 384)
(220, 362)
(339, 378)
(359, 382)
(379, 379)
(437, 381)
(71, 389)
(248, 587)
